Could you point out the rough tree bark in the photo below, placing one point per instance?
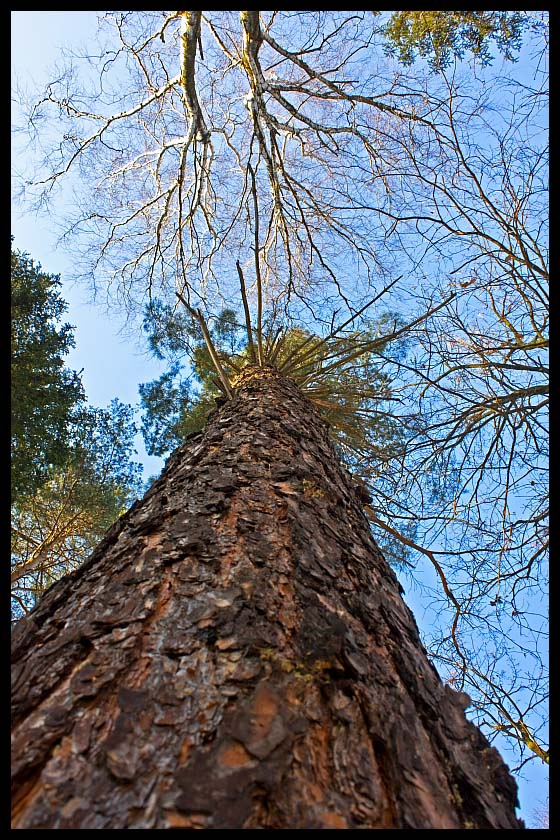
(236, 654)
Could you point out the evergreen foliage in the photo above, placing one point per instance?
(178, 404)
(57, 527)
(440, 36)
(44, 392)
(72, 473)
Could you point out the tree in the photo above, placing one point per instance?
(286, 143)
(348, 381)
(175, 405)
(44, 392)
(480, 404)
(236, 654)
(56, 528)
(442, 35)
(72, 474)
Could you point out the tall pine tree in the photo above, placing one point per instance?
(236, 654)
(72, 473)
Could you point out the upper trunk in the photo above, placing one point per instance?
(236, 654)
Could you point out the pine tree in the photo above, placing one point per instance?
(44, 392)
(72, 474)
(441, 36)
(56, 528)
(236, 654)
(348, 378)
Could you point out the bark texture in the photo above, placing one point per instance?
(236, 654)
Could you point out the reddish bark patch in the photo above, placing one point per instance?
(234, 755)
(333, 820)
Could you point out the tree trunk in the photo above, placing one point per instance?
(236, 654)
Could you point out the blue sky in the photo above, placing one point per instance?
(112, 366)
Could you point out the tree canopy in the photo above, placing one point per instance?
(345, 378)
(441, 36)
(72, 473)
(280, 165)
(44, 392)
